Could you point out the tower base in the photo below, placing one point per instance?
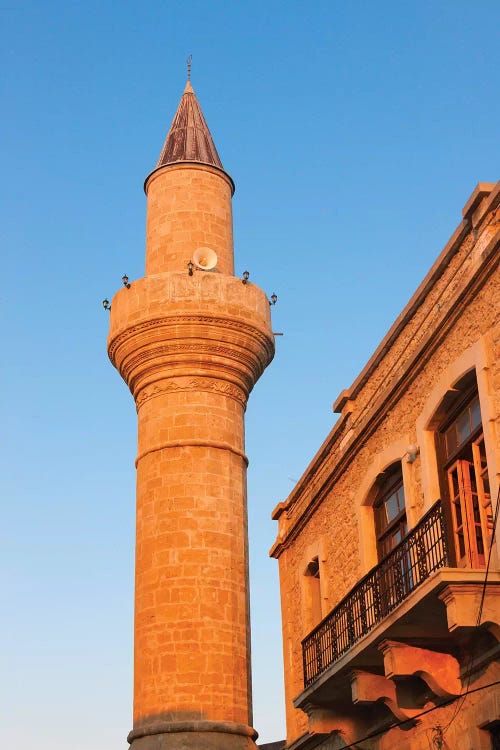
(193, 735)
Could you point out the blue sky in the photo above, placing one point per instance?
(355, 133)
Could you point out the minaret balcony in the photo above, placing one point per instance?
(173, 325)
(395, 641)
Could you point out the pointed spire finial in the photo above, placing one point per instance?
(189, 138)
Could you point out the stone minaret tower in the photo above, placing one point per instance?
(191, 344)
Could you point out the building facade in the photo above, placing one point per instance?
(390, 582)
(190, 340)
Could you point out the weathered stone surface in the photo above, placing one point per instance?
(451, 325)
(191, 346)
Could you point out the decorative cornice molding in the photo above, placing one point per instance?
(455, 244)
(325, 469)
(211, 348)
(265, 342)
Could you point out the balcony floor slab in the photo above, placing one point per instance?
(420, 619)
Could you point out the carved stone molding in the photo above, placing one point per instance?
(428, 324)
(225, 349)
(191, 384)
(462, 603)
(210, 348)
(375, 688)
(266, 343)
(341, 728)
(440, 671)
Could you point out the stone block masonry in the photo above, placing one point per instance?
(191, 347)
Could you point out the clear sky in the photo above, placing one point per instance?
(355, 132)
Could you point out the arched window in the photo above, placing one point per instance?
(389, 510)
(464, 472)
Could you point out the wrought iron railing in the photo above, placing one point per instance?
(422, 551)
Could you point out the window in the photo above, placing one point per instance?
(495, 736)
(464, 470)
(313, 593)
(491, 732)
(389, 510)
(494, 731)
(390, 529)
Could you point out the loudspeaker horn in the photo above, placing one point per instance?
(205, 258)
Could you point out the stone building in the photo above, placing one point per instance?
(389, 579)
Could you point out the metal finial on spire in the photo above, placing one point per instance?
(189, 66)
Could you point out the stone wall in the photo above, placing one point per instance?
(454, 322)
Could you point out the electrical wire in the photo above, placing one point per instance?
(462, 698)
(468, 676)
(396, 724)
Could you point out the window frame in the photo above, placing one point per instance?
(313, 591)
(463, 478)
(388, 487)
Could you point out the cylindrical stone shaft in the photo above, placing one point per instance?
(191, 347)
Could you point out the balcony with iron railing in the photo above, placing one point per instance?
(406, 618)
(423, 551)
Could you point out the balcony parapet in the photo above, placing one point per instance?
(411, 653)
(422, 552)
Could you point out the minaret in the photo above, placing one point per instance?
(191, 340)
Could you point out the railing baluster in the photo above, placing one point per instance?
(422, 551)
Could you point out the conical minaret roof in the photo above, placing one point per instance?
(189, 138)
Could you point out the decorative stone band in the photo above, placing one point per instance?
(167, 727)
(182, 354)
(264, 342)
(211, 385)
(192, 346)
(195, 444)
